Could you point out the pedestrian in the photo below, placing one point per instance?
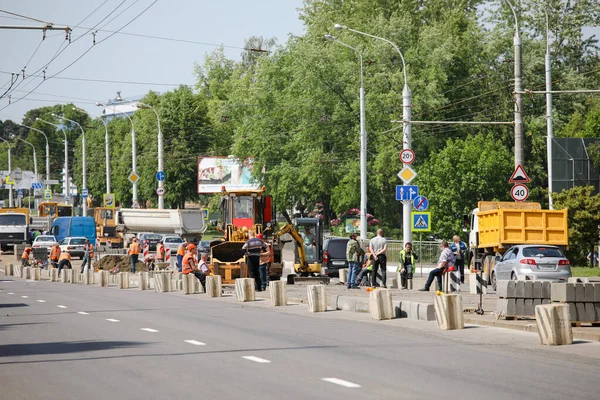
(459, 248)
(446, 260)
(407, 266)
(254, 246)
(55, 255)
(64, 261)
(265, 256)
(25, 256)
(353, 254)
(180, 253)
(88, 253)
(134, 252)
(367, 268)
(378, 247)
(160, 252)
(593, 258)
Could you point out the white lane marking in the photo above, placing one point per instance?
(25, 297)
(256, 359)
(82, 313)
(341, 382)
(10, 293)
(41, 301)
(149, 330)
(60, 306)
(195, 342)
(112, 320)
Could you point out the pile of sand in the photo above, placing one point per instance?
(108, 262)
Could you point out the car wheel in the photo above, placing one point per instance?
(513, 276)
(494, 283)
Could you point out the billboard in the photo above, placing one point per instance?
(216, 172)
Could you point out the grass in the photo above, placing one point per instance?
(585, 271)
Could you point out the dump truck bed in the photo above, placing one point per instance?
(501, 228)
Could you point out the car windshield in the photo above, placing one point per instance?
(173, 240)
(542, 252)
(13, 219)
(77, 241)
(337, 249)
(45, 239)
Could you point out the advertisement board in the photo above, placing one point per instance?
(216, 172)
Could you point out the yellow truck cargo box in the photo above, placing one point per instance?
(501, 228)
(8, 210)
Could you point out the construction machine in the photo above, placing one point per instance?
(242, 212)
(106, 220)
(47, 212)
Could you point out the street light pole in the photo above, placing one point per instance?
(161, 184)
(549, 122)
(67, 184)
(519, 147)
(83, 163)
(406, 125)
(47, 153)
(35, 166)
(10, 186)
(363, 143)
(107, 149)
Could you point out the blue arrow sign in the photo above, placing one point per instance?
(406, 192)
(421, 203)
(160, 176)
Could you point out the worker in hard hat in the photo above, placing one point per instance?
(180, 253)
(25, 257)
(190, 267)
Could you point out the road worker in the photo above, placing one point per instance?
(87, 255)
(160, 252)
(25, 256)
(190, 267)
(64, 261)
(180, 253)
(254, 246)
(55, 255)
(134, 252)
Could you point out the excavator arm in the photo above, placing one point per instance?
(289, 228)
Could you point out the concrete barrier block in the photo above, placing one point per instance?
(590, 312)
(506, 289)
(501, 286)
(176, 285)
(88, 277)
(536, 302)
(8, 270)
(520, 289)
(380, 304)
(426, 312)
(187, 281)
(546, 301)
(27, 273)
(537, 290)
(449, 311)
(563, 292)
(572, 311)
(278, 293)
(36, 274)
(596, 292)
(103, 278)
(73, 276)
(162, 282)
(546, 289)
(554, 324)
(392, 283)
(344, 275)
(528, 291)
(597, 308)
(54, 275)
(244, 289)
(317, 298)
(579, 292)
(143, 279)
(588, 289)
(213, 286)
(580, 311)
(578, 279)
(18, 270)
(520, 305)
(529, 310)
(506, 307)
(64, 276)
(399, 312)
(413, 312)
(123, 280)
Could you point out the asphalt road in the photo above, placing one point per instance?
(63, 341)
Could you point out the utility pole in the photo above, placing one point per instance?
(519, 146)
(549, 124)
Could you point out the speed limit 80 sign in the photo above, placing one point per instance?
(519, 192)
(407, 156)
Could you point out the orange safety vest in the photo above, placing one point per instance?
(25, 254)
(181, 250)
(160, 252)
(55, 253)
(134, 248)
(91, 250)
(65, 255)
(187, 265)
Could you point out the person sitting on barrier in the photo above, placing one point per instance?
(190, 267)
(407, 266)
(25, 257)
(446, 260)
(55, 255)
(64, 261)
(365, 272)
(149, 261)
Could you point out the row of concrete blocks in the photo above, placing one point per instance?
(524, 290)
(400, 308)
(518, 307)
(576, 292)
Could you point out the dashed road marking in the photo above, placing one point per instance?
(195, 342)
(256, 359)
(149, 330)
(41, 301)
(112, 320)
(341, 382)
(10, 293)
(61, 306)
(82, 313)
(25, 297)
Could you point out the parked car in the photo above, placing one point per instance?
(537, 261)
(172, 243)
(73, 245)
(152, 238)
(44, 242)
(204, 247)
(334, 255)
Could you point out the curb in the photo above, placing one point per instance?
(402, 308)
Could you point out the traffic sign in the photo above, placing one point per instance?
(109, 200)
(519, 192)
(407, 156)
(407, 174)
(36, 185)
(205, 213)
(84, 193)
(519, 176)
(133, 177)
(160, 176)
(421, 203)
(51, 182)
(406, 193)
(10, 181)
(421, 221)
(47, 194)
(160, 191)
(19, 193)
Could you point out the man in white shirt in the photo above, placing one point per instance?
(378, 248)
(446, 260)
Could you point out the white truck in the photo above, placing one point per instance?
(13, 229)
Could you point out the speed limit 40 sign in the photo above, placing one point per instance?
(519, 192)
(407, 156)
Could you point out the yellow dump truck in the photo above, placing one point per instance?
(496, 226)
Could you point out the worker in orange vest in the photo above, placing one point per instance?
(88, 255)
(160, 252)
(190, 267)
(180, 253)
(64, 261)
(25, 256)
(134, 252)
(55, 255)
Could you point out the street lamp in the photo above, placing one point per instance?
(35, 169)
(406, 126)
(161, 183)
(67, 184)
(363, 143)
(47, 153)
(133, 157)
(10, 186)
(107, 150)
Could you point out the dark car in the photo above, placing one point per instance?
(204, 247)
(334, 255)
(151, 238)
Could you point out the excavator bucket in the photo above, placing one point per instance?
(228, 260)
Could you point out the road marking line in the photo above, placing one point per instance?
(25, 297)
(60, 306)
(41, 301)
(10, 293)
(195, 342)
(341, 382)
(256, 359)
(82, 313)
(148, 330)
(112, 320)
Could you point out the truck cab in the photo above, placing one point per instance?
(14, 227)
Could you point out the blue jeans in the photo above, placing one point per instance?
(353, 268)
(262, 270)
(179, 262)
(133, 258)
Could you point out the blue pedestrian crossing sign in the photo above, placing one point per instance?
(421, 203)
(421, 221)
(406, 192)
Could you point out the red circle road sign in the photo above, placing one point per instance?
(160, 191)
(519, 192)
(407, 156)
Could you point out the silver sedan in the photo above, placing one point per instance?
(539, 262)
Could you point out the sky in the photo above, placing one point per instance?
(125, 57)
